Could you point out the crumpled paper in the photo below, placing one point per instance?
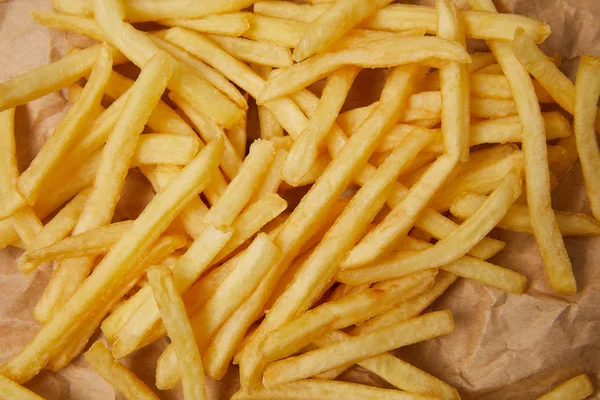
(505, 346)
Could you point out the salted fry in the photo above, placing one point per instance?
(358, 348)
(577, 388)
(175, 319)
(305, 150)
(252, 51)
(66, 133)
(139, 48)
(497, 87)
(546, 72)
(295, 232)
(111, 271)
(454, 86)
(274, 177)
(99, 357)
(333, 24)
(269, 126)
(587, 90)
(452, 247)
(234, 24)
(164, 149)
(324, 389)
(237, 287)
(385, 54)
(517, 218)
(12, 390)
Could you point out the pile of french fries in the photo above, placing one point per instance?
(399, 199)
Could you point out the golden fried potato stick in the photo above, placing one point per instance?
(175, 319)
(517, 218)
(56, 229)
(321, 197)
(496, 86)
(162, 248)
(269, 126)
(47, 79)
(305, 150)
(238, 286)
(333, 24)
(554, 254)
(107, 280)
(274, 177)
(587, 90)
(67, 131)
(358, 348)
(278, 31)
(184, 81)
(384, 53)
(115, 161)
(397, 372)
(349, 310)
(547, 73)
(479, 61)
(252, 51)
(164, 149)
(113, 372)
(233, 24)
(324, 389)
(238, 136)
(92, 242)
(454, 85)
(577, 388)
(12, 390)
(366, 37)
(401, 219)
(62, 22)
(452, 247)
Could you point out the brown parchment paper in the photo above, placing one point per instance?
(505, 346)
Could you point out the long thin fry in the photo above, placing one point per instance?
(233, 24)
(12, 390)
(358, 348)
(333, 24)
(252, 51)
(517, 218)
(139, 48)
(587, 90)
(109, 273)
(174, 317)
(577, 388)
(99, 357)
(66, 133)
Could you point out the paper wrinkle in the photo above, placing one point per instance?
(505, 346)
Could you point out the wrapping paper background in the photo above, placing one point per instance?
(505, 346)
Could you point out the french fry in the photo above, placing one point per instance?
(295, 232)
(399, 221)
(406, 50)
(269, 126)
(249, 222)
(109, 273)
(231, 161)
(12, 390)
(339, 314)
(555, 257)
(237, 287)
(238, 137)
(587, 90)
(62, 22)
(402, 17)
(47, 79)
(305, 150)
(56, 229)
(253, 51)
(275, 30)
(234, 24)
(577, 388)
(358, 348)
(274, 177)
(93, 242)
(189, 267)
(454, 86)
(100, 359)
(66, 133)
(452, 247)
(175, 319)
(366, 37)
(479, 61)
(27, 225)
(164, 149)
(333, 24)
(408, 309)
(139, 48)
(315, 388)
(397, 372)
(163, 247)
(546, 72)
(497, 87)
(517, 218)
(213, 77)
